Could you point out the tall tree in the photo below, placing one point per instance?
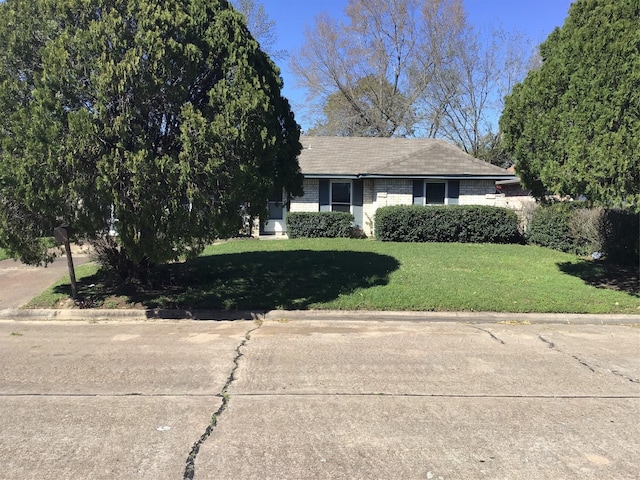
(166, 114)
(573, 125)
(434, 74)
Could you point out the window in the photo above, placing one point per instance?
(435, 193)
(341, 196)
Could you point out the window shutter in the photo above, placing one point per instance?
(454, 191)
(324, 195)
(357, 200)
(418, 192)
(358, 193)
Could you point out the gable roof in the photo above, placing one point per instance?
(360, 157)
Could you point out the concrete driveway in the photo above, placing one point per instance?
(327, 399)
(19, 283)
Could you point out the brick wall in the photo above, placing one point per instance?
(381, 193)
(479, 192)
(310, 201)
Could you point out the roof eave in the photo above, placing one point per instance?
(465, 176)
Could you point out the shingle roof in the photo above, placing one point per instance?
(394, 157)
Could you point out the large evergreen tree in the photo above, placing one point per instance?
(573, 125)
(164, 114)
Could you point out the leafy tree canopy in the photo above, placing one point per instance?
(573, 126)
(165, 115)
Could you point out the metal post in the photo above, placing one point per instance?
(62, 234)
(72, 272)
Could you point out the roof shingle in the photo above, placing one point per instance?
(394, 157)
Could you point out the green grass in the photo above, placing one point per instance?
(368, 275)
(59, 292)
(3, 255)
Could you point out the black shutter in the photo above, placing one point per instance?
(324, 195)
(357, 200)
(454, 188)
(358, 193)
(454, 191)
(418, 192)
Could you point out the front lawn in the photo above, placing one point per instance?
(369, 275)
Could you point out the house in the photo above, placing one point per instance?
(361, 174)
(516, 197)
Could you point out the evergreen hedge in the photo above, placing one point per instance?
(319, 224)
(550, 227)
(572, 227)
(454, 223)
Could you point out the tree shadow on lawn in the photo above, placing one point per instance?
(603, 274)
(250, 280)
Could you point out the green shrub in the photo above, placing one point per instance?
(585, 227)
(572, 228)
(550, 227)
(620, 233)
(319, 224)
(464, 223)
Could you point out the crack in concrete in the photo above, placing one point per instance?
(620, 374)
(490, 333)
(189, 470)
(591, 366)
(579, 360)
(442, 395)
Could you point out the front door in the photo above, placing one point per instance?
(277, 214)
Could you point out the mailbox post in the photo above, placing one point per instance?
(62, 234)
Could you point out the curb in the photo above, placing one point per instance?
(316, 315)
(127, 314)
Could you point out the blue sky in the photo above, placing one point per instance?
(534, 18)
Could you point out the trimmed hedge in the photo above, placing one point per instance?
(550, 227)
(454, 223)
(319, 224)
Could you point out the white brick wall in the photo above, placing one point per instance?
(479, 192)
(381, 193)
(393, 192)
(369, 207)
(310, 201)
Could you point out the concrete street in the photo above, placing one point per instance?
(318, 399)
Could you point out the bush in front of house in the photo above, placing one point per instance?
(572, 227)
(319, 224)
(550, 227)
(454, 223)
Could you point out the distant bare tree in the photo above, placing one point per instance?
(467, 94)
(409, 68)
(261, 27)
